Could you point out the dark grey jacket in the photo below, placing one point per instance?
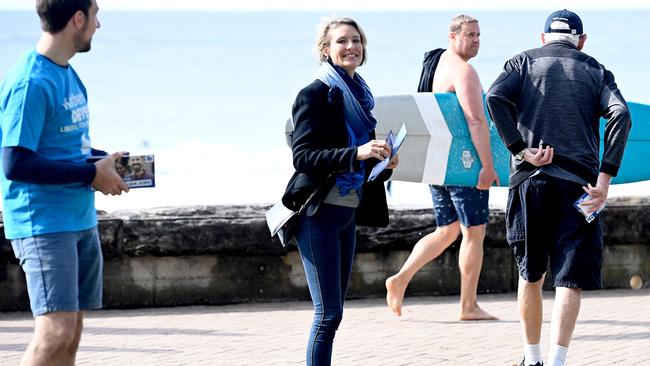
(557, 94)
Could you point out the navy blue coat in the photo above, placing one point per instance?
(320, 151)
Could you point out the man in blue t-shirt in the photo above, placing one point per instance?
(47, 186)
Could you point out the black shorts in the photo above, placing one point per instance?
(542, 224)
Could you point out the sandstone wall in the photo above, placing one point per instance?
(223, 254)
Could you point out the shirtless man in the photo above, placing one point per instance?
(457, 209)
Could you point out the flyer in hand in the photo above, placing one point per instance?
(137, 171)
(394, 142)
(589, 215)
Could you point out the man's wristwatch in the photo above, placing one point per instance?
(519, 157)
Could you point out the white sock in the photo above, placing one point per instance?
(532, 354)
(557, 355)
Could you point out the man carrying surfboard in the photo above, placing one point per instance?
(546, 105)
(458, 209)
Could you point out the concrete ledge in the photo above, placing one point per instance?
(223, 254)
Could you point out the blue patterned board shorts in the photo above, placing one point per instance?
(453, 203)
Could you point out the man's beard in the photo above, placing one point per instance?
(82, 45)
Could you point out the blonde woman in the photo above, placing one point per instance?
(334, 149)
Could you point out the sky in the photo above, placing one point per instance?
(349, 5)
(409, 193)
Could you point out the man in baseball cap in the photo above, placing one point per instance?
(563, 21)
(547, 104)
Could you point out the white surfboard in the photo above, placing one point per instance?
(439, 150)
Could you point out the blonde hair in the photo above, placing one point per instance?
(457, 22)
(323, 38)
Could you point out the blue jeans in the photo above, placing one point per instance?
(326, 243)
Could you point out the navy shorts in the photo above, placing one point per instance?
(453, 203)
(543, 225)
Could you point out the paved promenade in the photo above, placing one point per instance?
(613, 329)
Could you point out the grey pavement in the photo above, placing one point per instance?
(613, 329)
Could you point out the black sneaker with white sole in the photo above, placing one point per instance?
(528, 364)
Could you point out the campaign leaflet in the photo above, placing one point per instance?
(585, 211)
(137, 171)
(394, 142)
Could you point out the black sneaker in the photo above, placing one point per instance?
(523, 364)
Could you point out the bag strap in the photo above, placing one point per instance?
(314, 193)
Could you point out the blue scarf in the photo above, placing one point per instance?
(357, 104)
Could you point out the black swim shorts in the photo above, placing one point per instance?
(543, 225)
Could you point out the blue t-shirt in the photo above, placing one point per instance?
(43, 108)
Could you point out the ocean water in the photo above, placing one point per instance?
(208, 92)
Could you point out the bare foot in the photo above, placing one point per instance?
(476, 314)
(395, 294)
